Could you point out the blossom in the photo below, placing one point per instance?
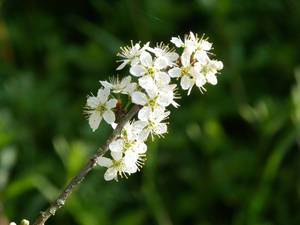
(165, 56)
(196, 66)
(149, 64)
(150, 83)
(151, 122)
(124, 86)
(130, 54)
(189, 73)
(133, 151)
(114, 166)
(99, 107)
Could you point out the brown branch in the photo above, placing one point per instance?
(44, 216)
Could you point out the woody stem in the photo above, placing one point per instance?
(59, 202)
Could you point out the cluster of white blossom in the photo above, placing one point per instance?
(149, 85)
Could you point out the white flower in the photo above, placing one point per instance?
(149, 65)
(151, 121)
(124, 86)
(165, 56)
(131, 132)
(100, 107)
(116, 166)
(187, 72)
(209, 70)
(113, 166)
(193, 43)
(158, 91)
(131, 54)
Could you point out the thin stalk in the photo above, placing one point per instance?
(60, 201)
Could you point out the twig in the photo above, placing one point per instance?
(60, 201)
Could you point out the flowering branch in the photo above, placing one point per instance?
(81, 175)
(150, 89)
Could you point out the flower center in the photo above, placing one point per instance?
(101, 108)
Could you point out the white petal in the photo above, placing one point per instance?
(200, 81)
(211, 78)
(160, 63)
(143, 135)
(147, 82)
(94, 120)
(103, 94)
(116, 155)
(103, 161)
(174, 72)
(139, 98)
(109, 116)
(111, 103)
(217, 65)
(130, 88)
(123, 64)
(139, 125)
(192, 36)
(144, 113)
(160, 114)
(135, 61)
(146, 46)
(140, 147)
(130, 168)
(93, 102)
(185, 58)
(146, 59)
(161, 128)
(177, 42)
(157, 51)
(162, 78)
(186, 82)
(111, 173)
(117, 146)
(106, 84)
(205, 45)
(190, 46)
(201, 56)
(130, 157)
(172, 56)
(165, 99)
(152, 92)
(125, 81)
(137, 70)
(114, 125)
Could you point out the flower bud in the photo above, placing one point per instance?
(24, 222)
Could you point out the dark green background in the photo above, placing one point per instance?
(231, 155)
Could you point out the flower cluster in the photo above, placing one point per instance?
(149, 85)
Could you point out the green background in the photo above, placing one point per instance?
(231, 155)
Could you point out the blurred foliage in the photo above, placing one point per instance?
(231, 155)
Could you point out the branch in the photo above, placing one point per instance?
(60, 201)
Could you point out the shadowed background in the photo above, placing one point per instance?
(231, 155)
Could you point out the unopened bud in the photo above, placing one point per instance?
(12, 223)
(24, 222)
